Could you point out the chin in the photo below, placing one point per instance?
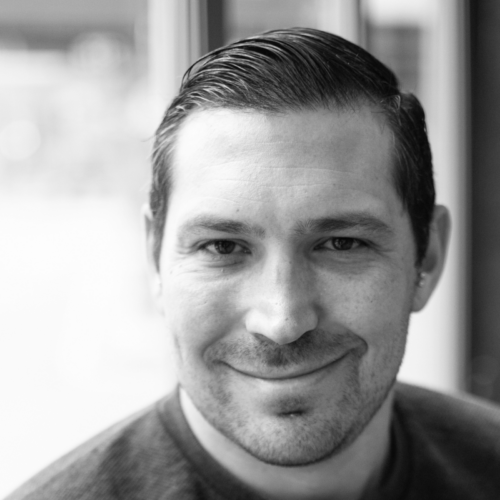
(301, 436)
(296, 439)
(307, 435)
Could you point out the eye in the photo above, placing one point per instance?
(223, 247)
(342, 244)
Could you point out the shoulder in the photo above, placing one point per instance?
(453, 443)
(446, 413)
(121, 462)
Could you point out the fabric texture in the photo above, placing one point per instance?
(443, 448)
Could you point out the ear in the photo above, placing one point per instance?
(153, 269)
(433, 263)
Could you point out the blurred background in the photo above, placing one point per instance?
(83, 86)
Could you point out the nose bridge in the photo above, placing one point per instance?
(284, 307)
(285, 281)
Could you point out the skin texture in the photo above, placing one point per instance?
(287, 278)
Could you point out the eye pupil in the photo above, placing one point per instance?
(224, 247)
(343, 243)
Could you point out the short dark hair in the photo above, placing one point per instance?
(292, 70)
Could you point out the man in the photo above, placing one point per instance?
(292, 231)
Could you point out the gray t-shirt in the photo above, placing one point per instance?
(442, 448)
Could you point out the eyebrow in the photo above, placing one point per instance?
(212, 223)
(356, 221)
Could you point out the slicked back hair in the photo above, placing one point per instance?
(297, 69)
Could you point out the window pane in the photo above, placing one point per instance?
(80, 343)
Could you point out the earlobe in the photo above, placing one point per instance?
(153, 271)
(433, 263)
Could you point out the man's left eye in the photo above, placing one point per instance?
(342, 244)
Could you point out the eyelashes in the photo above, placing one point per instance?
(342, 244)
(223, 248)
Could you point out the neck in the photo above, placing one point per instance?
(344, 476)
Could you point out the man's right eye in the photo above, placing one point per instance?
(223, 247)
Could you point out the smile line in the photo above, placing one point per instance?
(287, 376)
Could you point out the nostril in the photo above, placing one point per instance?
(282, 307)
(284, 330)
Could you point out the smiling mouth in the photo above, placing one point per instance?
(298, 372)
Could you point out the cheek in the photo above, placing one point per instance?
(196, 315)
(375, 305)
(379, 313)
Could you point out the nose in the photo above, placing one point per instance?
(282, 302)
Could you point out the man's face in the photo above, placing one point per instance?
(288, 276)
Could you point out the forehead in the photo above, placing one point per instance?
(342, 158)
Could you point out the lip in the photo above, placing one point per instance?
(303, 372)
